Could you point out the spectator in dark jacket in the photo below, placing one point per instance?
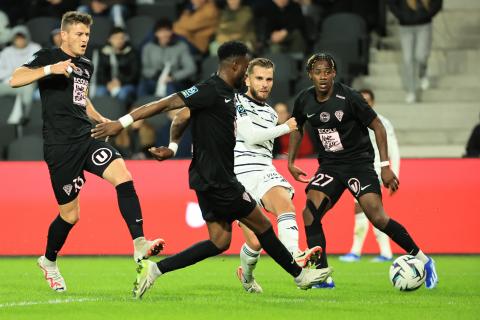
(415, 18)
(285, 26)
(118, 68)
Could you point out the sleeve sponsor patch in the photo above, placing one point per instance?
(241, 110)
(189, 92)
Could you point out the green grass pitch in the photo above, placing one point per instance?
(100, 288)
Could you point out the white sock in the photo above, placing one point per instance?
(359, 233)
(288, 231)
(156, 272)
(383, 243)
(248, 261)
(422, 257)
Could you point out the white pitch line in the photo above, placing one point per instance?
(53, 301)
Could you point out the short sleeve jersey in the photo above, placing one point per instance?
(212, 110)
(340, 124)
(64, 100)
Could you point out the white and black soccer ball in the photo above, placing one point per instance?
(407, 273)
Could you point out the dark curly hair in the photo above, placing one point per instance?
(232, 49)
(322, 56)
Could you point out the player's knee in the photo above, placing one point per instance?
(379, 221)
(71, 216)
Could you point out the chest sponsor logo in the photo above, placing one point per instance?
(80, 91)
(324, 116)
(101, 156)
(330, 140)
(339, 115)
(190, 91)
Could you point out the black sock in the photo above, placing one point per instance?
(198, 252)
(278, 252)
(130, 208)
(57, 234)
(316, 237)
(400, 236)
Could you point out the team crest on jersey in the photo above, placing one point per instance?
(354, 185)
(68, 189)
(78, 71)
(189, 92)
(324, 116)
(339, 115)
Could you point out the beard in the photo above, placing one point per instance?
(256, 96)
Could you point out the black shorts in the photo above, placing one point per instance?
(67, 162)
(359, 179)
(225, 204)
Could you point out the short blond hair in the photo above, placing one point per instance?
(73, 17)
(260, 62)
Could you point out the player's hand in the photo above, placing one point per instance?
(106, 129)
(161, 153)
(63, 67)
(298, 174)
(389, 179)
(292, 124)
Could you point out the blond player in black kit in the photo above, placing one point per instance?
(340, 117)
(63, 76)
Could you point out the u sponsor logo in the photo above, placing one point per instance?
(101, 156)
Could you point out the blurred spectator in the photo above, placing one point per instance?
(236, 23)
(16, 10)
(133, 142)
(115, 9)
(415, 18)
(51, 8)
(118, 68)
(4, 30)
(197, 24)
(166, 63)
(163, 137)
(280, 145)
(56, 37)
(473, 144)
(285, 26)
(12, 57)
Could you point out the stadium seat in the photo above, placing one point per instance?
(40, 28)
(100, 31)
(109, 107)
(26, 148)
(7, 135)
(139, 28)
(280, 91)
(157, 121)
(164, 9)
(6, 107)
(346, 35)
(209, 67)
(34, 120)
(285, 67)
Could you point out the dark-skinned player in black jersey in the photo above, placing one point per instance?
(221, 197)
(340, 117)
(63, 75)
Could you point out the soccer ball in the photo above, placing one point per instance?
(407, 273)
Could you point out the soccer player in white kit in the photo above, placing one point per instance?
(256, 129)
(361, 222)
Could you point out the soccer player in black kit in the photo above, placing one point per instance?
(63, 76)
(340, 116)
(221, 197)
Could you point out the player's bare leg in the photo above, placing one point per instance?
(372, 205)
(118, 175)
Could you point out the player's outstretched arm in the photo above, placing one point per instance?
(254, 135)
(179, 124)
(147, 110)
(294, 144)
(389, 178)
(23, 76)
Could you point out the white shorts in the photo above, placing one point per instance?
(258, 183)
